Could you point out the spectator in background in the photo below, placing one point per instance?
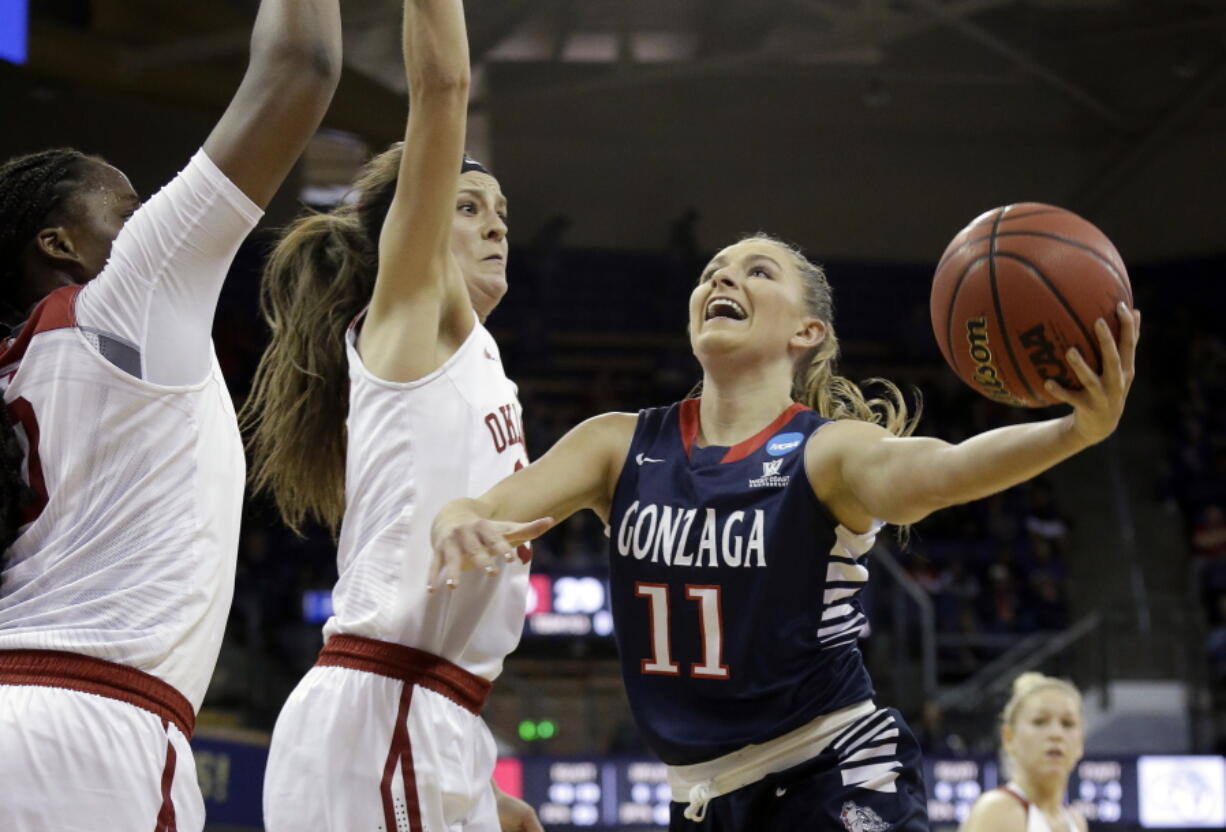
(1209, 533)
(1044, 522)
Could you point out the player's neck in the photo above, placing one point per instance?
(733, 410)
(1047, 795)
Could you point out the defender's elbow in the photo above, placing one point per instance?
(440, 80)
(316, 64)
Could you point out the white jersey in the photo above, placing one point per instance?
(128, 554)
(1035, 820)
(413, 447)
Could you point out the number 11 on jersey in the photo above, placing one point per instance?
(711, 628)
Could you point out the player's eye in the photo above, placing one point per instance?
(468, 207)
(758, 271)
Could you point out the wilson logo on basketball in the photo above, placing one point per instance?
(1043, 356)
(986, 375)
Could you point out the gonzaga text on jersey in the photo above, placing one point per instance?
(663, 534)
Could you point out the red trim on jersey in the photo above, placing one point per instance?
(689, 424)
(409, 665)
(743, 449)
(689, 430)
(400, 751)
(57, 669)
(56, 311)
(21, 412)
(166, 815)
(1025, 803)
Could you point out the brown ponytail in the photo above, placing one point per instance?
(319, 277)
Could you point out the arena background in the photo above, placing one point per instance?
(635, 137)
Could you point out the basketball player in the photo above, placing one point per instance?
(1042, 739)
(740, 523)
(376, 311)
(123, 473)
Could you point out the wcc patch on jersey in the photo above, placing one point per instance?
(771, 478)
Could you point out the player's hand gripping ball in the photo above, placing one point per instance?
(1015, 290)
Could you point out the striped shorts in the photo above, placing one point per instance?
(866, 779)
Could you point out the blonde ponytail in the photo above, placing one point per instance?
(817, 382)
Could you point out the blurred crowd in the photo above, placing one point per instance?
(1195, 482)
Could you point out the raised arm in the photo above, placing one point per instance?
(419, 311)
(294, 67)
(861, 472)
(579, 472)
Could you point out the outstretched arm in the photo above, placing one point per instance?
(862, 472)
(420, 312)
(293, 71)
(579, 472)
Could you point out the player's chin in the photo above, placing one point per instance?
(712, 344)
(487, 291)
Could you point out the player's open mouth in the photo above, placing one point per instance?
(721, 307)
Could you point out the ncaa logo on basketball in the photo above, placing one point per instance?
(784, 443)
(771, 478)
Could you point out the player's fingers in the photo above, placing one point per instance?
(448, 576)
(1060, 393)
(518, 533)
(432, 573)
(472, 544)
(1130, 333)
(492, 545)
(1113, 371)
(1089, 380)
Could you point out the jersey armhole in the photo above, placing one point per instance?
(1025, 803)
(641, 426)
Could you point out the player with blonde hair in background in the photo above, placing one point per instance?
(1042, 738)
(121, 478)
(381, 396)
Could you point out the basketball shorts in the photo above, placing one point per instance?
(868, 779)
(379, 737)
(73, 760)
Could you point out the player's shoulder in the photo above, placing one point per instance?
(832, 439)
(996, 810)
(614, 426)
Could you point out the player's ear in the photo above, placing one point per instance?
(808, 335)
(55, 244)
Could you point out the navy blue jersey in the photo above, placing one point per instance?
(734, 591)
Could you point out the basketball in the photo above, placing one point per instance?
(1015, 290)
